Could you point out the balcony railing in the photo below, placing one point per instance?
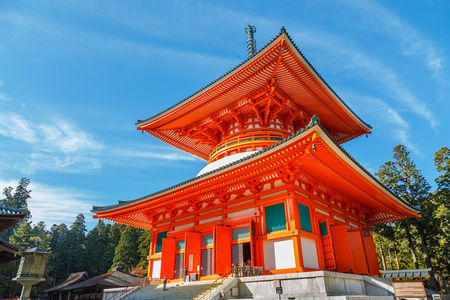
(247, 271)
(250, 139)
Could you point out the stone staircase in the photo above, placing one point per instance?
(174, 291)
(213, 291)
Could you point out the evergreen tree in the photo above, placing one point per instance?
(402, 177)
(442, 215)
(390, 176)
(113, 241)
(20, 196)
(22, 235)
(59, 248)
(96, 247)
(41, 234)
(76, 245)
(18, 199)
(105, 261)
(144, 249)
(126, 253)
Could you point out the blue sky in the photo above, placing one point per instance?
(76, 75)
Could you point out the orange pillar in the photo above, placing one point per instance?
(222, 249)
(169, 246)
(294, 225)
(193, 251)
(150, 252)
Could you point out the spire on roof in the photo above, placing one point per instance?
(251, 42)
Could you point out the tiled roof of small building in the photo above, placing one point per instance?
(11, 211)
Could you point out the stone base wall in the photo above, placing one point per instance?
(320, 284)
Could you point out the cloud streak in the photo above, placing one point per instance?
(411, 40)
(397, 126)
(17, 127)
(55, 145)
(55, 205)
(61, 147)
(4, 97)
(346, 57)
(85, 41)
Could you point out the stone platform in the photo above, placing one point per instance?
(312, 285)
(321, 285)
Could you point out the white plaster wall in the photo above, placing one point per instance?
(156, 268)
(210, 220)
(187, 225)
(241, 212)
(309, 252)
(279, 254)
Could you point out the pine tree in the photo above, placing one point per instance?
(105, 261)
(76, 245)
(402, 177)
(18, 199)
(22, 235)
(113, 241)
(59, 247)
(96, 244)
(144, 249)
(20, 196)
(442, 215)
(39, 233)
(126, 253)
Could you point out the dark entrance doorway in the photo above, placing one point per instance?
(240, 253)
(179, 264)
(207, 262)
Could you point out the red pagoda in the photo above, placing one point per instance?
(278, 192)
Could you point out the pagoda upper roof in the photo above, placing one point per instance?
(295, 77)
(330, 163)
(281, 60)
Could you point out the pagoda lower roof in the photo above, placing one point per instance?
(328, 164)
(295, 77)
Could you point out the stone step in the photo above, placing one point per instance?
(174, 291)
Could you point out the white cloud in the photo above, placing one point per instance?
(347, 57)
(17, 127)
(396, 88)
(166, 154)
(411, 40)
(398, 126)
(55, 205)
(4, 97)
(67, 138)
(1, 83)
(55, 145)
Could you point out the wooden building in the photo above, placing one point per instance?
(8, 218)
(279, 191)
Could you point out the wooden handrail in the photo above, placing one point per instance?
(255, 137)
(209, 286)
